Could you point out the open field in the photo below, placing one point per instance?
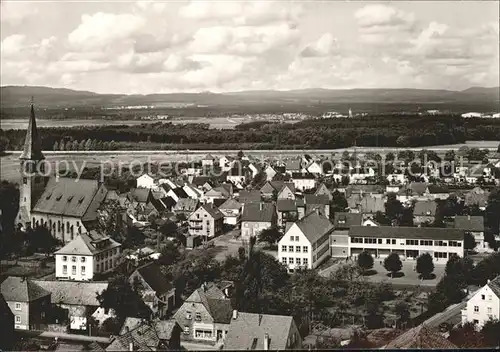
(214, 122)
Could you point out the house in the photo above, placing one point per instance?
(270, 172)
(303, 181)
(139, 335)
(293, 166)
(156, 290)
(78, 298)
(88, 254)
(437, 192)
(27, 301)
(366, 204)
(254, 169)
(239, 175)
(475, 226)
(477, 196)
(177, 193)
(421, 337)
(322, 190)
(145, 181)
(231, 209)
(407, 242)
(142, 254)
(415, 190)
(139, 196)
(206, 221)
(287, 191)
(305, 243)
(271, 188)
(397, 177)
(424, 211)
(287, 212)
(252, 196)
(7, 324)
(202, 183)
(320, 202)
(339, 239)
(226, 162)
(192, 191)
(484, 304)
(257, 217)
(252, 331)
(208, 160)
(224, 191)
(205, 315)
(314, 168)
(68, 208)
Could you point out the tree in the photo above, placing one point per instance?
(392, 263)
(338, 202)
(393, 208)
(4, 143)
(466, 336)
(365, 261)
(240, 154)
(492, 210)
(425, 266)
(259, 180)
(88, 144)
(123, 299)
(169, 254)
(56, 146)
(403, 141)
(402, 311)
(450, 156)
(81, 146)
(62, 145)
(490, 332)
(270, 235)
(169, 228)
(469, 242)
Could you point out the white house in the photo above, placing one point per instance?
(303, 181)
(192, 192)
(146, 181)
(253, 169)
(484, 304)
(315, 168)
(270, 172)
(305, 243)
(86, 255)
(208, 160)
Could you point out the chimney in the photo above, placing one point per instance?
(235, 314)
(266, 342)
(488, 281)
(131, 346)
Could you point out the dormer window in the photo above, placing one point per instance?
(81, 199)
(59, 197)
(70, 198)
(48, 196)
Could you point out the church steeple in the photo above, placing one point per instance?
(32, 147)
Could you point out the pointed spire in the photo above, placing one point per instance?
(32, 147)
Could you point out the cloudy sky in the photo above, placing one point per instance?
(172, 46)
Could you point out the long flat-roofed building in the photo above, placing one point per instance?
(408, 242)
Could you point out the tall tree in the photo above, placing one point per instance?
(270, 235)
(469, 242)
(365, 261)
(338, 202)
(392, 263)
(425, 265)
(169, 254)
(56, 146)
(62, 145)
(491, 333)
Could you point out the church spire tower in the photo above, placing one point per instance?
(32, 170)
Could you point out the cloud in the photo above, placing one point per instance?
(383, 17)
(326, 45)
(13, 44)
(15, 12)
(101, 29)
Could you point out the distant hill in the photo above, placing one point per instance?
(16, 96)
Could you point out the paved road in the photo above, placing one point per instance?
(63, 336)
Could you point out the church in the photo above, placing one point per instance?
(66, 206)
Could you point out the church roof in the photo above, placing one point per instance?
(32, 147)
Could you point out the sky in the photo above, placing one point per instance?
(146, 47)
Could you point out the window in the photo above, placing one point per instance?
(18, 306)
(283, 260)
(387, 241)
(412, 242)
(65, 269)
(483, 297)
(490, 311)
(297, 238)
(489, 297)
(73, 270)
(188, 315)
(393, 241)
(73, 259)
(305, 261)
(186, 330)
(305, 249)
(454, 244)
(82, 269)
(65, 258)
(290, 248)
(297, 249)
(290, 260)
(283, 248)
(370, 240)
(82, 259)
(440, 255)
(25, 180)
(198, 316)
(425, 243)
(475, 321)
(356, 240)
(18, 319)
(292, 238)
(298, 261)
(97, 267)
(476, 309)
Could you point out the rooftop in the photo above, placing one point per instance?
(429, 233)
(20, 289)
(314, 225)
(258, 212)
(153, 276)
(87, 244)
(420, 337)
(469, 223)
(73, 292)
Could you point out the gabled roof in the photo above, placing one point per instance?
(469, 223)
(425, 233)
(200, 180)
(343, 220)
(313, 199)
(65, 196)
(286, 205)
(140, 195)
(249, 196)
(425, 207)
(179, 192)
(420, 337)
(418, 188)
(293, 165)
(289, 185)
(494, 285)
(208, 157)
(231, 204)
(81, 293)
(153, 276)
(212, 211)
(274, 185)
(4, 309)
(20, 289)
(32, 149)
(258, 212)
(314, 225)
(322, 189)
(248, 330)
(214, 300)
(186, 204)
(86, 244)
(366, 203)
